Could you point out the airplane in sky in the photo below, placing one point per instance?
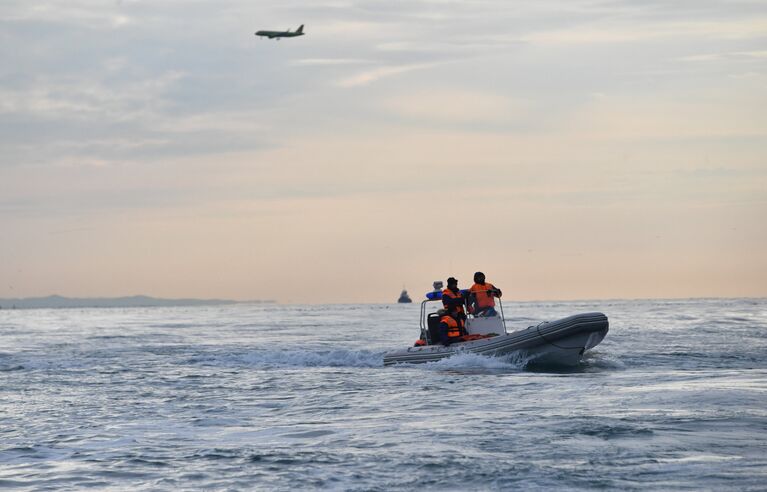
(282, 34)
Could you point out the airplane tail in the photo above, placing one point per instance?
(300, 30)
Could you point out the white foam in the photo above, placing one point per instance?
(603, 361)
(299, 358)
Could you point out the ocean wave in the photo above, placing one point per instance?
(610, 430)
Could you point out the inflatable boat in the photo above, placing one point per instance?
(561, 342)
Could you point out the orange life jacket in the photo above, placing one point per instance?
(453, 327)
(484, 298)
(447, 293)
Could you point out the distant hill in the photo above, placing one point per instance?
(106, 302)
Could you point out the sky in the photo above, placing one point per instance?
(569, 149)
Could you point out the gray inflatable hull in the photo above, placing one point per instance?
(560, 342)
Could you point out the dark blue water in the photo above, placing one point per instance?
(296, 397)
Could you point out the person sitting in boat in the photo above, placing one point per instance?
(451, 329)
(482, 296)
(452, 322)
(453, 299)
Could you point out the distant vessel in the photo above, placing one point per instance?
(404, 298)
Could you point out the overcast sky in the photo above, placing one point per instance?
(569, 149)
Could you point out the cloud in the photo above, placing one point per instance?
(634, 31)
(330, 61)
(455, 106)
(78, 97)
(84, 13)
(638, 118)
(756, 55)
(371, 76)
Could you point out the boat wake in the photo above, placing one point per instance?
(462, 361)
(293, 358)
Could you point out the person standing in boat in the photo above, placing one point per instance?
(452, 324)
(482, 296)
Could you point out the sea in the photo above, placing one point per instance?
(296, 397)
